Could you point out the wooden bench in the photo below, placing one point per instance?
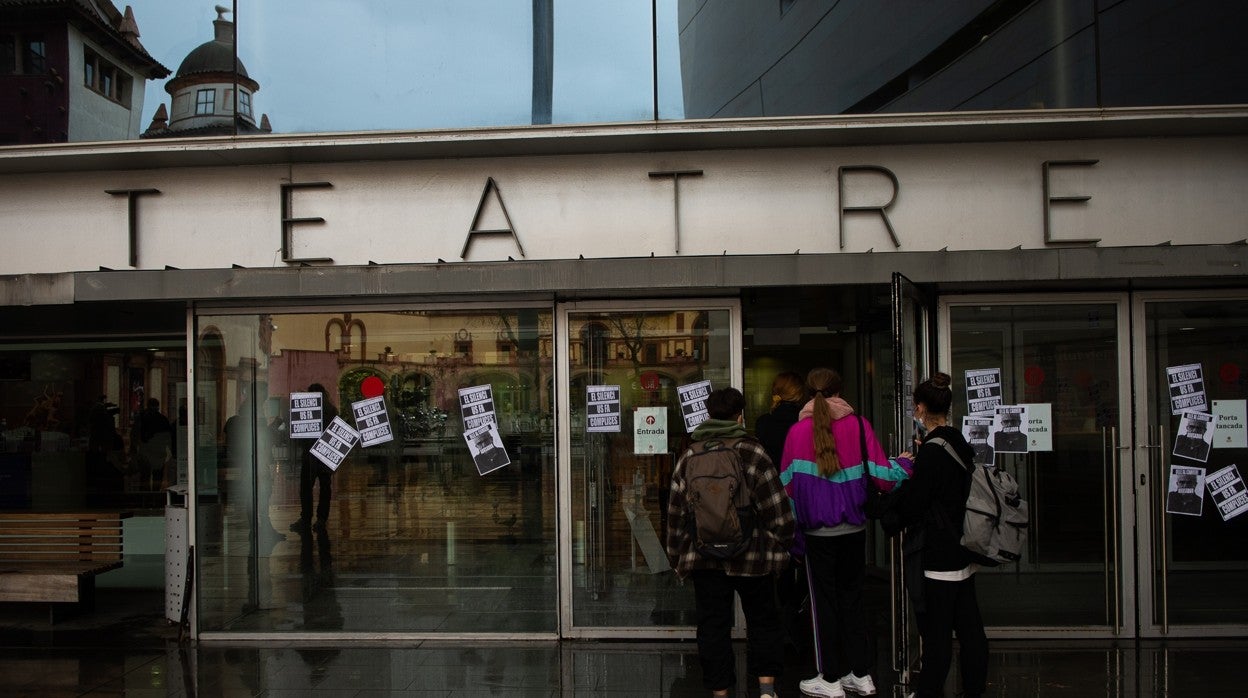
(54, 557)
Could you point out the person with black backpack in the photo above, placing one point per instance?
(729, 529)
(933, 506)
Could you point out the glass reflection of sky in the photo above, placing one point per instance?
(353, 65)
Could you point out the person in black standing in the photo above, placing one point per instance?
(932, 505)
(155, 444)
(788, 395)
(312, 472)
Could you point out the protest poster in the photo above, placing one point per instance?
(983, 390)
(649, 431)
(476, 406)
(602, 408)
(1226, 488)
(1186, 491)
(1194, 436)
(1228, 424)
(372, 420)
(693, 403)
(485, 445)
(1009, 435)
(335, 443)
(1187, 388)
(306, 413)
(976, 430)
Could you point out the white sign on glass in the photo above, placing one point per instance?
(1039, 426)
(1228, 424)
(649, 430)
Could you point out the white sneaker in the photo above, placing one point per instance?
(862, 685)
(819, 687)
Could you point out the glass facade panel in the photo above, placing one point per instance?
(90, 427)
(1196, 551)
(412, 538)
(445, 64)
(620, 573)
(1064, 358)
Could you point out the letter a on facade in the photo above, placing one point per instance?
(491, 186)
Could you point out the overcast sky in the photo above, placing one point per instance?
(347, 65)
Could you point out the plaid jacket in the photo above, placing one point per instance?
(773, 533)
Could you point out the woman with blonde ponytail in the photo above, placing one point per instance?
(827, 457)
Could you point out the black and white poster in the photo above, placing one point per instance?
(372, 420)
(602, 408)
(976, 430)
(476, 406)
(1195, 436)
(486, 447)
(693, 403)
(1187, 389)
(335, 443)
(1186, 491)
(1009, 429)
(1226, 488)
(306, 413)
(983, 390)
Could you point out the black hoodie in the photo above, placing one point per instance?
(934, 499)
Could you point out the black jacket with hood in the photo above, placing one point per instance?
(934, 499)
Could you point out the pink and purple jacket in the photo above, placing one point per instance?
(828, 502)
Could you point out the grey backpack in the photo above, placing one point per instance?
(721, 509)
(994, 528)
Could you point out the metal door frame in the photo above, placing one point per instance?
(1147, 494)
(1122, 545)
(563, 405)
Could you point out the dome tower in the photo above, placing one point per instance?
(204, 102)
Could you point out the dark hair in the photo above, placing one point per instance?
(824, 383)
(318, 388)
(935, 394)
(725, 403)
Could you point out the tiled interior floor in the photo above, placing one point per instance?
(126, 648)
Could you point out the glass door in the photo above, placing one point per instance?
(911, 363)
(1063, 359)
(1192, 450)
(621, 368)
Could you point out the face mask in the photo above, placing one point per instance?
(919, 429)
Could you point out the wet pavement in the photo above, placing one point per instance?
(133, 651)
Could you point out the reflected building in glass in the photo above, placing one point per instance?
(750, 59)
(71, 71)
(212, 94)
